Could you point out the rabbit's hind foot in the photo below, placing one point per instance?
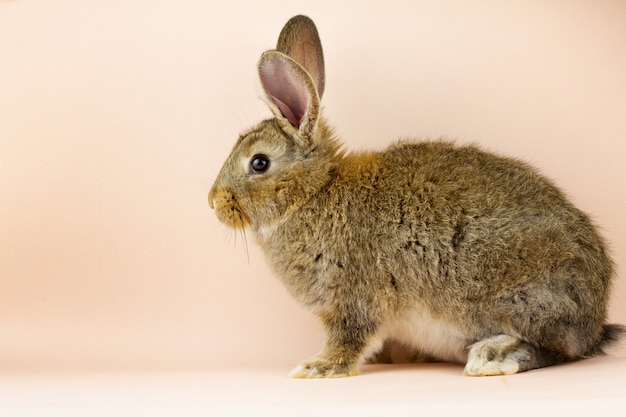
(498, 355)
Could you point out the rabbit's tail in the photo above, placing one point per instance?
(612, 339)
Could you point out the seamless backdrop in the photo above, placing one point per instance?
(115, 116)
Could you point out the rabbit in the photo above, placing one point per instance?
(457, 253)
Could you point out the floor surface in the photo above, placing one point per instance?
(595, 387)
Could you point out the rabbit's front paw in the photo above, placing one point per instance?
(322, 368)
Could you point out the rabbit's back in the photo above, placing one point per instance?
(500, 240)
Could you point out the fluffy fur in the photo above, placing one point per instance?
(456, 253)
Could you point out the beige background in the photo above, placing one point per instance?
(116, 115)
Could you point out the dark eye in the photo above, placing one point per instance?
(259, 164)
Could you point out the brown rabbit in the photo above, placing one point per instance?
(452, 251)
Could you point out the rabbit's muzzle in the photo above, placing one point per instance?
(227, 209)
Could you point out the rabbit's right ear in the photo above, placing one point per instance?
(290, 94)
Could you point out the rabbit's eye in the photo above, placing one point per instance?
(259, 164)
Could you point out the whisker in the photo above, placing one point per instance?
(234, 234)
(245, 243)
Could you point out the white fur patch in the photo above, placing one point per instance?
(265, 231)
(419, 330)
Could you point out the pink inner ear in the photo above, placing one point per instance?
(286, 88)
(286, 111)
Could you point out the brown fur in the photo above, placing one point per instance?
(479, 251)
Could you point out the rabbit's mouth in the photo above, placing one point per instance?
(227, 210)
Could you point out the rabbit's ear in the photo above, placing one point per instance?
(299, 39)
(290, 93)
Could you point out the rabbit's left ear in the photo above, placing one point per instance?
(290, 93)
(299, 40)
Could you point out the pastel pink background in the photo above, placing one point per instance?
(116, 115)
